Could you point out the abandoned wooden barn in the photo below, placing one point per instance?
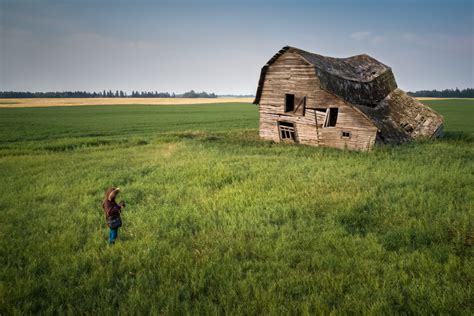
(338, 102)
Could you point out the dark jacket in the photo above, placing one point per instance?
(110, 207)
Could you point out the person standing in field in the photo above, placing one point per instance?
(112, 212)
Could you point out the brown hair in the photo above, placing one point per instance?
(108, 192)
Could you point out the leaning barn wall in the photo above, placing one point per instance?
(291, 74)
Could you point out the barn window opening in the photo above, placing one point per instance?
(345, 134)
(287, 131)
(289, 102)
(407, 127)
(331, 117)
(300, 106)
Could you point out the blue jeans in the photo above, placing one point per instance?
(113, 235)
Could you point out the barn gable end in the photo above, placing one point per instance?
(291, 74)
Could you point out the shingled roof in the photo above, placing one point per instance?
(358, 79)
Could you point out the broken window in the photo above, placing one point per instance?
(331, 117)
(407, 127)
(345, 134)
(287, 131)
(289, 102)
(320, 116)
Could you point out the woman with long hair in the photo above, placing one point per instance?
(112, 212)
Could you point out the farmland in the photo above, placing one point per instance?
(218, 221)
(48, 102)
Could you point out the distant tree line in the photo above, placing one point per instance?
(104, 94)
(194, 94)
(446, 93)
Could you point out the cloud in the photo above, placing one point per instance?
(409, 37)
(368, 37)
(361, 35)
(378, 39)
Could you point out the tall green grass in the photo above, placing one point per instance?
(458, 114)
(219, 221)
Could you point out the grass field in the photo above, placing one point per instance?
(219, 221)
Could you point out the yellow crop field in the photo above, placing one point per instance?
(48, 102)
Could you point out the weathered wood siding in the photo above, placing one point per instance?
(291, 74)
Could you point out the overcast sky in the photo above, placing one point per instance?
(220, 46)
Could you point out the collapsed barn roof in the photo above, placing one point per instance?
(358, 79)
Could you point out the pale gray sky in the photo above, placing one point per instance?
(220, 46)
